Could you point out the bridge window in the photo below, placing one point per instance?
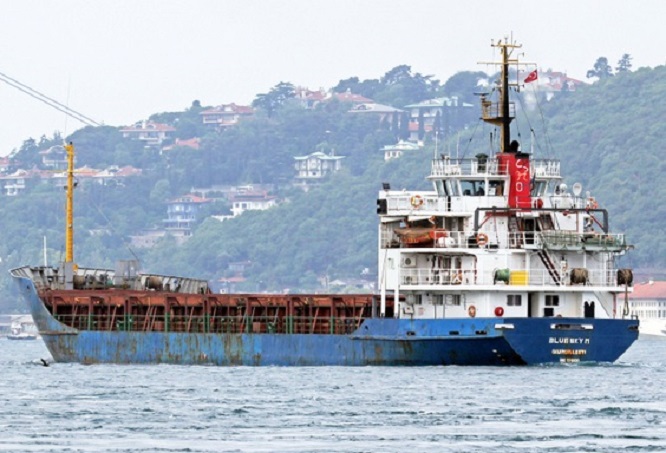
(514, 300)
(496, 188)
(452, 299)
(552, 300)
(473, 188)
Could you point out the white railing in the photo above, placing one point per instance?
(447, 166)
(415, 203)
(545, 167)
(466, 167)
(549, 240)
(515, 277)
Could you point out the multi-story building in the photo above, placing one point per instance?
(397, 150)
(251, 200)
(225, 115)
(182, 215)
(151, 134)
(314, 167)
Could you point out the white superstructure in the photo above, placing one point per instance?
(499, 236)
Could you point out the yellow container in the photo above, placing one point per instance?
(519, 278)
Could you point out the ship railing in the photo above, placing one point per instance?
(414, 203)
(446, 166)
(566, 240)
(213, 324)
(533, 240)
(545, 168)
(514, 277)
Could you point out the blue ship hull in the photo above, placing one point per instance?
(378, 341)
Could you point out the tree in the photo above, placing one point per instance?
(624, 64)
(463, 85)
(275, 98)
(402, 87)
(602, 69)
(367, 88)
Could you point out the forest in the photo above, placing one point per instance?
(607, 135)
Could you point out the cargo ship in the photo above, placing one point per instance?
(498, 264)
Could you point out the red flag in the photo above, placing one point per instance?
(531, 77)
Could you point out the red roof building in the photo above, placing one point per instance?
(225, 115)
(649, 290)
(308, 98)
(353, 98)
(150, 133)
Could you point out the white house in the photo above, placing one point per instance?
(251, 200)
(315, 167)
(397, 150)
(150, 133)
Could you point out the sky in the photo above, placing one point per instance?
(119, 61)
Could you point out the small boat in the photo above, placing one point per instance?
(22, 330)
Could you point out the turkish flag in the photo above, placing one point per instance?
(531, 77)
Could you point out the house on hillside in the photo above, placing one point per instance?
(182, 214)
(15, 183)
(348, 96)
(307, 98)
(383, 113)
(396, 151)
(59, 179)
(55, 157)
(315, 167)
(151, 134)
(114, 175)
(251, 200)
(549, 84)
(439, 113)
(225, 115)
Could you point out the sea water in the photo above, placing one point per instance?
(167, 408)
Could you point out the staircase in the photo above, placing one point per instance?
(547, 261)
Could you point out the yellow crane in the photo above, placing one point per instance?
(69, 207)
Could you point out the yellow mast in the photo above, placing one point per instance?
(69, 209)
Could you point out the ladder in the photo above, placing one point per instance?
(547, 261)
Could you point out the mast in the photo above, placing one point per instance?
(504, 98)
(69, 209)
(502, 113)
(505, 49)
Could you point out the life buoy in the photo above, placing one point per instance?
(499, 311)
(471, 311)
(416, 201)
(592, 204)
(482, 239)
